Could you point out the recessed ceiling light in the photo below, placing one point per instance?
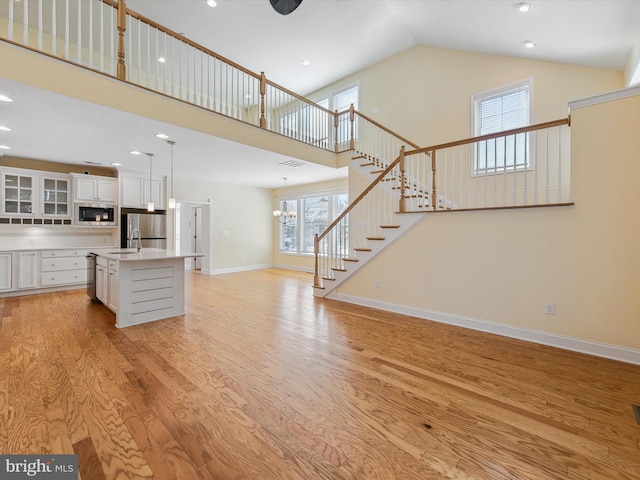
(529, 44)
(211, 3)
(4, 147)
(135, 152)
(306, 63)
(162, 59)
(4, 129)
(163, 136)
(4, 98)
(116, 164)
(524, 7)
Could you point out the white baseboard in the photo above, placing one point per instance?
(604, 350)
(294, 268)
(245, 268)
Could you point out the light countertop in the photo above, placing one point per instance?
(131, 255)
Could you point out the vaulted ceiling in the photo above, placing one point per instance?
(337, 38)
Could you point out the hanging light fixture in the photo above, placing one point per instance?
(285, 216)
(150, 206)
(172, 199)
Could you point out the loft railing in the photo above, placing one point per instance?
(523, 167)
(106, 36)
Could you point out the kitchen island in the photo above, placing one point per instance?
(141, 286)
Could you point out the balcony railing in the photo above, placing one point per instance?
(106, 36)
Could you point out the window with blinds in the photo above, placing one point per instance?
(499, 110)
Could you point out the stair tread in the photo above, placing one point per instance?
(389, 226)
(350, 260)
(362, 249)
(375, 238)
(339, 269)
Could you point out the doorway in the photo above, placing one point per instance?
(196, 235)
(193, 233)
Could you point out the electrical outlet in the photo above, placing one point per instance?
(377, 283)
(550, 308)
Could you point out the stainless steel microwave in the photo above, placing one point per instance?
(94, 214)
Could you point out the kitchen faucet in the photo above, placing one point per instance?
(133, 236)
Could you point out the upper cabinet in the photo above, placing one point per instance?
(28, 193)
(19, 193)
(56, 195)
(93, 188)
(135, 192)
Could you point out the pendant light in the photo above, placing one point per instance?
(172, 199)
(150, 206)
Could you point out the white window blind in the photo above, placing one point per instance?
(497, 111)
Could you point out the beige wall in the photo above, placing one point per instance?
(424, 93)
(502, 266)
(243, 212)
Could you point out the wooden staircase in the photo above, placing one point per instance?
(383, 234)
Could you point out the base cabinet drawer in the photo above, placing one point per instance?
(66, 277)
(52, 264)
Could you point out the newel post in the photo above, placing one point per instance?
(263, 92)
(352, 119)
(335, 127)
(316, 252)
(434, 189)
(121, 71)
(403, 198)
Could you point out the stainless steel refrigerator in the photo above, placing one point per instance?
(152, 227)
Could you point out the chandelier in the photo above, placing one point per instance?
(285, 216)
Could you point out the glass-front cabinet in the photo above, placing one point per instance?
(55, 196)
(31, 194)
(19, 194)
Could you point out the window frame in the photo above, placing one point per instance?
(529, 147)
(298, 201)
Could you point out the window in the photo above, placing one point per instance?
(495, 111)
(341, 100)
(315, 213)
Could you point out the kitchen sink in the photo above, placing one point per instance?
(123, 251)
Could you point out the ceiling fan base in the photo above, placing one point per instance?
(285, 7)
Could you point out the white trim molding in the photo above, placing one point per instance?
(612, 352)
(605, 97)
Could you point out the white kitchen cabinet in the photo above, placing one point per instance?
(19, 192)
(102, 279)
(55, 196)
(135, 192)
(33, 194)
(5, 270)
(112, 293)
(63, 267)
(28, 269)
(94, 188)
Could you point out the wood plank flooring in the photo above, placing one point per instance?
(260, 380)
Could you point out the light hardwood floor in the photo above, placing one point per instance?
(262, 381)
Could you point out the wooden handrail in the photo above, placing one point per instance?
(191, 43)
(489, 136)
(371, 120)
(299, 97)
(358, 199)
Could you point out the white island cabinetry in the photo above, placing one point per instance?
(141, 287)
